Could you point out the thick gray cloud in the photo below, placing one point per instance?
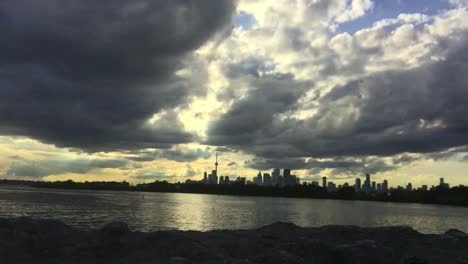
(60, 165)
(88, 74)
(421, 110)
(190, 172)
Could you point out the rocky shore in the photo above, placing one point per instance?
(24, 240)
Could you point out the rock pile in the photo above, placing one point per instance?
(25, 240)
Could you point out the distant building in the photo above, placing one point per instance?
(331, 187)
(213, 177)
(443, 184)
(288, 178)
(241, 180)
(267, 179)
(324, 182)
(297, 179)
(385, 186)
(258, 180)
(409, 187)
(374, 186)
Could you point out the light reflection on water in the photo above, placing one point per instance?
(157, 211)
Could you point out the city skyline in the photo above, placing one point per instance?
(285, 179)
(268, 180)
(326, 88)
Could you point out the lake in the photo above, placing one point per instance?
(164, 211)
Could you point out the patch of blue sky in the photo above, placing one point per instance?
(243, 20)
(384, 9)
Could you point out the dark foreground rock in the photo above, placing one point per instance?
(25, 240)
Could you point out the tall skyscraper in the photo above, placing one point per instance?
(367, 184)
(385, 186)
(357, 185)
(324, 182)
(288, 181)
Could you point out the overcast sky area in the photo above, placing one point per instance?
(145, 90)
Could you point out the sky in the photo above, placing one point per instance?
(145, 90)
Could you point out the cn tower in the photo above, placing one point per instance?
(216, 164)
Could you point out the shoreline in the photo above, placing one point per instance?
(241, 195)
(26, 240)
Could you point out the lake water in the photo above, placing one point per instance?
(162, 211)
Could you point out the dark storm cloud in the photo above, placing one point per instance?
(256, 115)
(268, 164)
(185, 155)
(337, 165)
(453, 153)
(88, 74)
(60, 165)
(422, 110)
(153, 174)
(179, 155)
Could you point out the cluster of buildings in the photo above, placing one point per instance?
(213, 177)
(369, 186)
(275, 179)
(278, 179)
